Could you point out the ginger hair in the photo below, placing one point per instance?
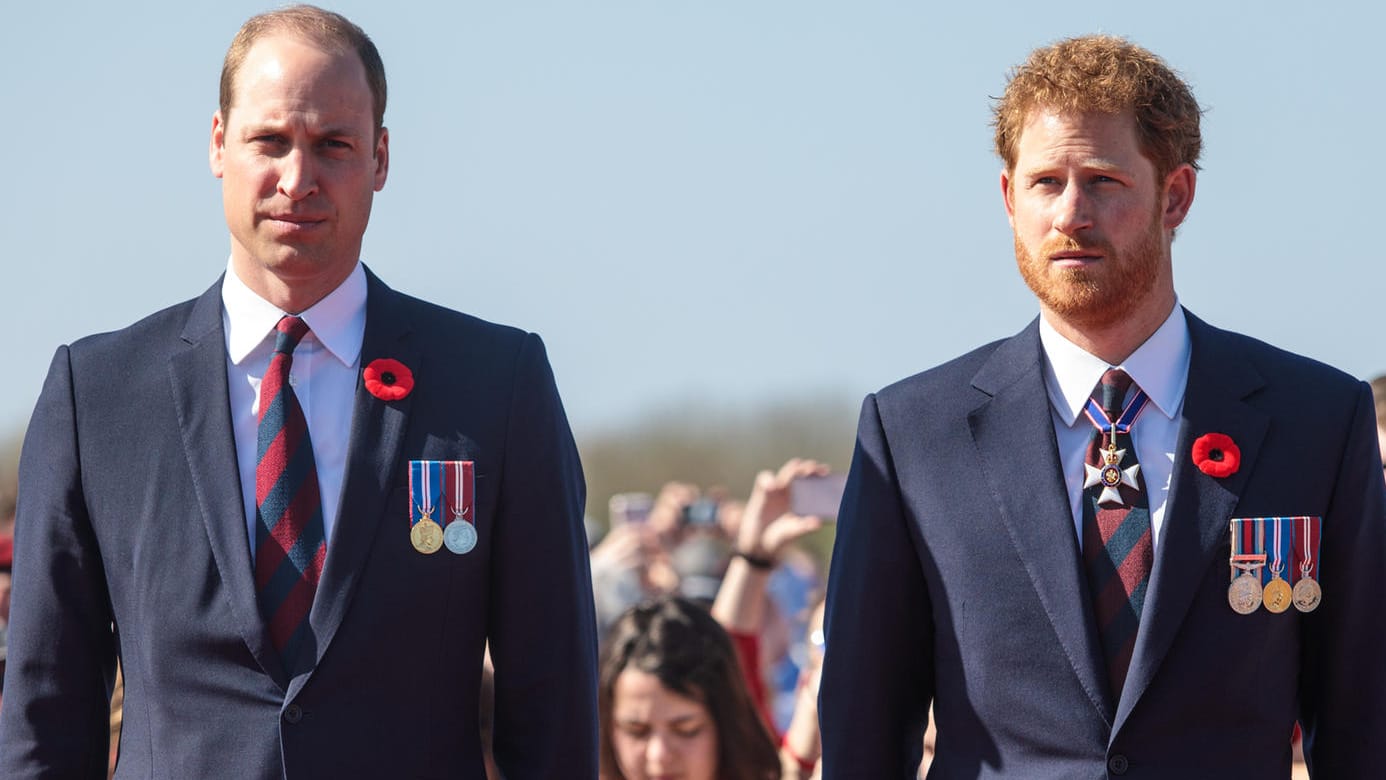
(1107, 75)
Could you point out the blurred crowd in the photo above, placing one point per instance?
(711, 606)
(712, 611)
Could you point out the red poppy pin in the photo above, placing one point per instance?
(1217, 455)
(388, 379)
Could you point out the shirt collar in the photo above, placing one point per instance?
(1160, 367)
(338, 321)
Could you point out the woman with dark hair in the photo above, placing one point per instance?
(673, 702)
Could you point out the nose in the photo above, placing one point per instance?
(659, 754)
(1073, 210)
(297, 177)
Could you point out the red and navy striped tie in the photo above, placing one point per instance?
(1117, 547)
(289, 541)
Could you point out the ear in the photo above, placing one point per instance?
(1007, 195)
(1179, 194)
(382, 158)
(216, 148)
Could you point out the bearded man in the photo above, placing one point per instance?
(1122, 542)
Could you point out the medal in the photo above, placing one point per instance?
(1307, 593)
(426, 536)
(424, 532)
(1112, 476)
(1276, 595)
(1244, 594)
(460, 534)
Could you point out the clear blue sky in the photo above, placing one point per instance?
(730, 201)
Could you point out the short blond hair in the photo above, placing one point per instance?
(330, 31)
(1107, 75)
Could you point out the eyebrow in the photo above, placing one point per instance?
(1101, 163)
(249, 130)
(677, 720)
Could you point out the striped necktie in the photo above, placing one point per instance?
(289, 541)
(1117, 545)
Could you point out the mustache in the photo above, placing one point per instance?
(1069, 244)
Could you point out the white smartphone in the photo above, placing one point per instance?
(814, 495)
(629, 508)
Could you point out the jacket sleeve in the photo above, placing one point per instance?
(878, 663)
(1343, 676)
(542, 626)
(61, 654)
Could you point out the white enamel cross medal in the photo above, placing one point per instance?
(1111, 476)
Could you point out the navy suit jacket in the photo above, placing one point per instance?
(956, 580)
(131, 541)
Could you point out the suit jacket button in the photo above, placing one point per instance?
(1118, 764)
(293, 714)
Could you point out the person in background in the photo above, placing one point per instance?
(672, 700)
(9, 488)
(6, 570)
(766, 529)
(802, 745)
(633, 561)
(1379, 392)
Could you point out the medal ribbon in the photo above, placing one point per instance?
(1239, 546)
(1306, 553)
(1244, 538)
(1261, 546)
(1278, 563)
(1124, 421)
(459, 479)
(424, 486)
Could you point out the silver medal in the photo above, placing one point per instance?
(460, 536)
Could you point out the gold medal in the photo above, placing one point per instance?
(426, 536)
(1244, 594)
(1276, 595)
(424, 533)
(1307, 594)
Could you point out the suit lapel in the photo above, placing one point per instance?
(373, 456)
(1199, 506)
(1014, 433)
(200, 395)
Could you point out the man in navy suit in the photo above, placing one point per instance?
(291, 614)
(1037, 538)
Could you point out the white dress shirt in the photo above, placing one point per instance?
(1160, 367)
(323, 376)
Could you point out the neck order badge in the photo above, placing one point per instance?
(1111, 476)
